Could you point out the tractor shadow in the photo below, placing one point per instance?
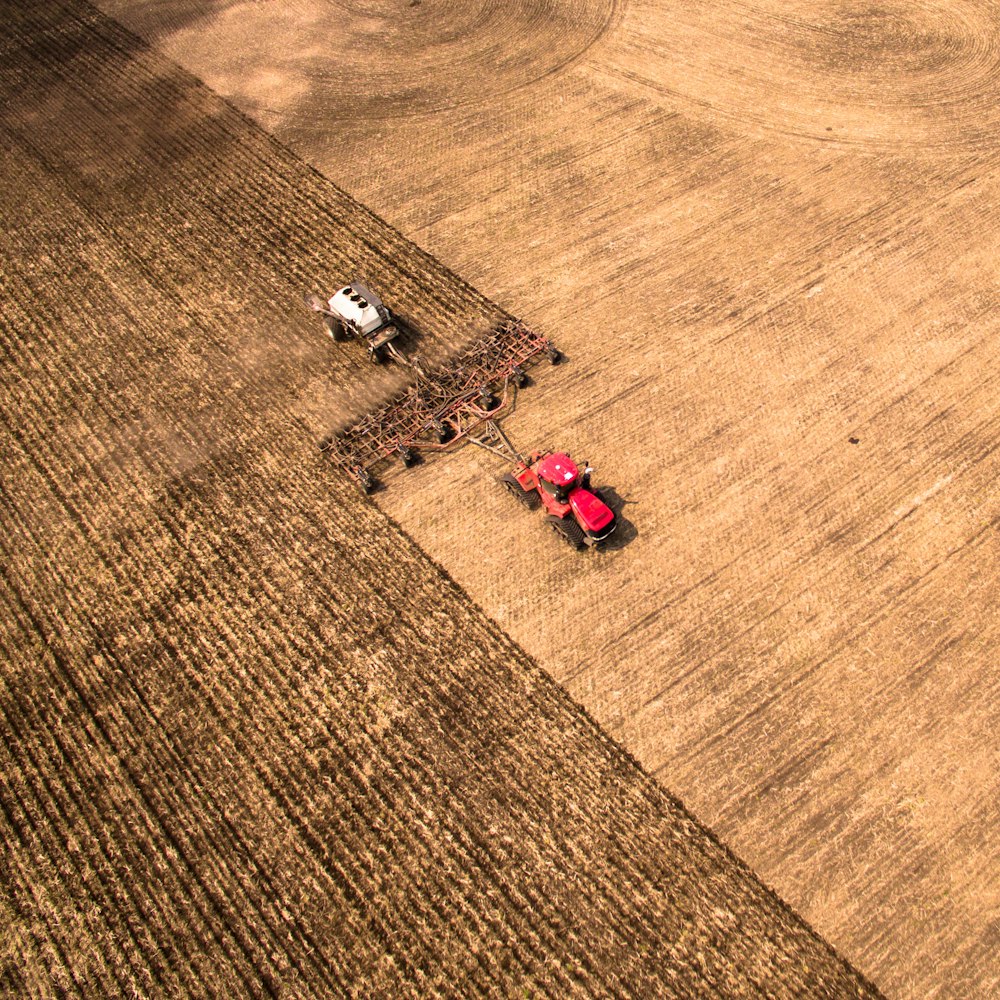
(626, 532)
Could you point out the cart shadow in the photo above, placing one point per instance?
(626, 532)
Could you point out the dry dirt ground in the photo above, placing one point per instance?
(766, 236)
(253, 742)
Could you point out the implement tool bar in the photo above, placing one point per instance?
(443, 406)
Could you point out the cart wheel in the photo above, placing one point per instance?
(408, 457)
(486, 398)
(335, 328)
(442, 430)
(555, 355)
(520, 377)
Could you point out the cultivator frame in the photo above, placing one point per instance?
(444, 407)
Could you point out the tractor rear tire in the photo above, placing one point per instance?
(335, 328)
(527, 498)
(568, 528)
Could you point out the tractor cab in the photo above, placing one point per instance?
(557, 476)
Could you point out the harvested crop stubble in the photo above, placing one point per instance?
(759, 230)
(253, 740)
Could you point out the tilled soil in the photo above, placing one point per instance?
(254, 742)
(765, 235)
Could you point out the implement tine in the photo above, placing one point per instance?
(447, 394)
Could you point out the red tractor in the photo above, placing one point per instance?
(551, 479)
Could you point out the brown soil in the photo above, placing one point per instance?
(761, 232)
(252, 741)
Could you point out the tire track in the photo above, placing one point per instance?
(297, 758)
(898, 77)
(378, 68)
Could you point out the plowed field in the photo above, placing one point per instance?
(253, 742)
(766, 235)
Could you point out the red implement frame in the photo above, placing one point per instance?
(444, 406)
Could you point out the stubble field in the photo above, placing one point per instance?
(253, 742)
(766, 237)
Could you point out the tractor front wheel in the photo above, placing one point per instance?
(568, 528)
(529, 498)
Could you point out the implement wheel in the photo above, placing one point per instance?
(528, 498)
(568, 528)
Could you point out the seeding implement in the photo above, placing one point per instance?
(356, 311)
(460, 402)
(443, 408)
